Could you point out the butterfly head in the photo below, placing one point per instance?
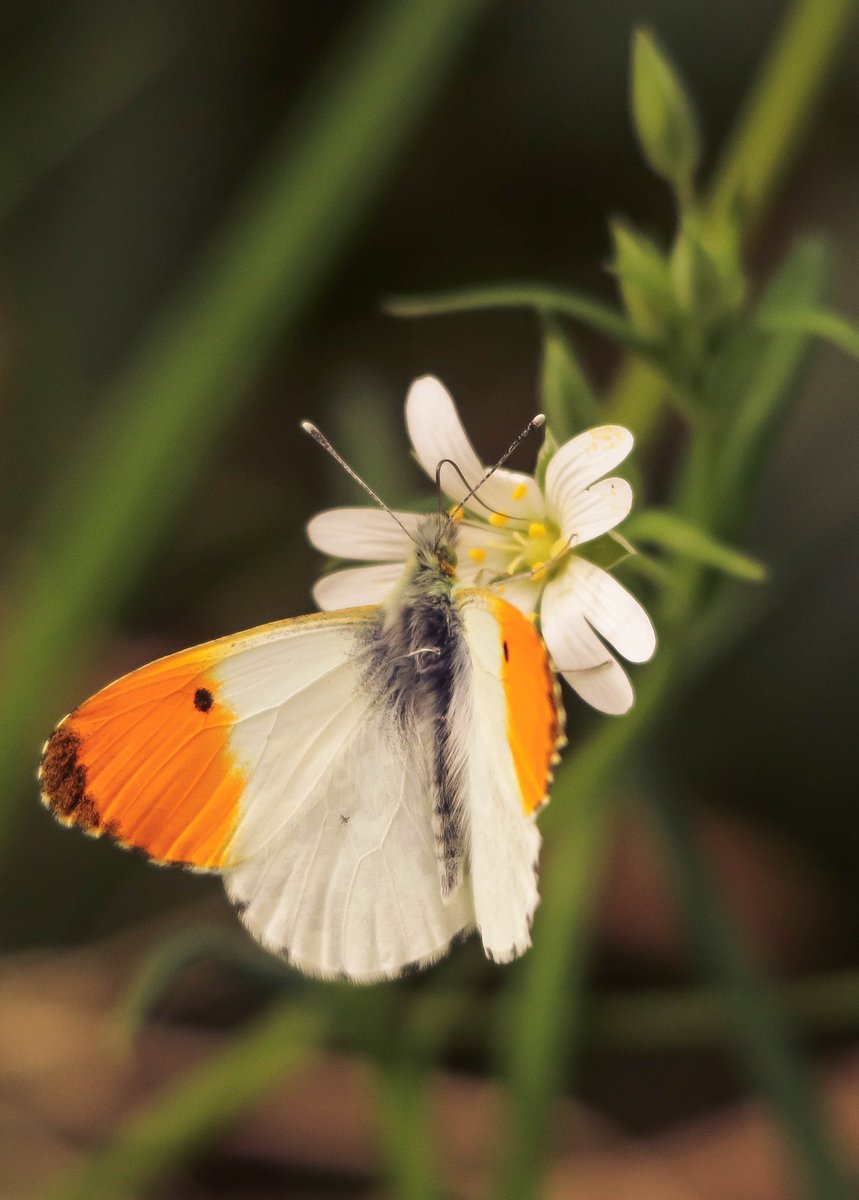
(435, 541)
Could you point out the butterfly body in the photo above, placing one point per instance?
(365, 781)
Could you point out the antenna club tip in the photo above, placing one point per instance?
(308, 427)
(539, 420)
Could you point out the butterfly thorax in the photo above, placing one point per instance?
(416, 664)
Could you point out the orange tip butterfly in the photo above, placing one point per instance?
(366, 781)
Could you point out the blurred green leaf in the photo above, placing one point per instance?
(544, 456)
(566, 396)
(819, 322)
(606, 551)
(771, 373)
(696, 276)
(644, 278)
(161, 420)
(778, 109)
(663, 114)
(664, 528)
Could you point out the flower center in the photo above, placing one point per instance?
(535, 548)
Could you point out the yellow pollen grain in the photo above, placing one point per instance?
(559, 547)
(519, 492)
(477, 554)
(498, 519)
(532, 617)
(536, 530)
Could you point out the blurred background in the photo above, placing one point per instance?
(130, 136)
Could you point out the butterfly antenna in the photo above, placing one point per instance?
(533, 424)
(319, 436)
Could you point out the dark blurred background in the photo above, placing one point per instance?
(513, 175)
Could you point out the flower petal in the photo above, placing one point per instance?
(437, 434)
(572, 643)
(581, 461)
(364, 533)
(613, 611)
(596, 510)
(605, 687)
(357, 585)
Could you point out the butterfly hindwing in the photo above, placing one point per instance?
(352, 887)
(510, 742)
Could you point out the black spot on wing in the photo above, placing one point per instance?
(203, 699)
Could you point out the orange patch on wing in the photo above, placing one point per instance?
(147, 761)
(534, 715)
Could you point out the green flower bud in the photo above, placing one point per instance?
(664, 118)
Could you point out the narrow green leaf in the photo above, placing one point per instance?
(663, 114)
(566, 396)
(770, 377)
(544, 300)
(644, 279)
(664, 528)
(820, 322)
(764, 1039)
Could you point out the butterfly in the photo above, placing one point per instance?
(366, 781)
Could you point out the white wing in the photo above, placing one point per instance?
(512, 706)
(334, 859)
(351, 888)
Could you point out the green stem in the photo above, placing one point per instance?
(188, 1114)
(161, 421)
(778, 110)
(761, 1030)
(775, 117)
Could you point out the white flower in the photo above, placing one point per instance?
(524, 549)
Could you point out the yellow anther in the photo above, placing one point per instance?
(519, 492)
(455, 513)
(559, 547)
(532, 617)
(536, 530)
(538, 570)
(498, 519)
(477, 554)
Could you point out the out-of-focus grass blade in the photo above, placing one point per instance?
(671, 1019)
(761, 1032)
(546, 998)
(179, 1123)
(544, 300)
(771, 380)
(62, 90)
(664, 528)
(777, 111)
(160, 421)
(830, 326)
